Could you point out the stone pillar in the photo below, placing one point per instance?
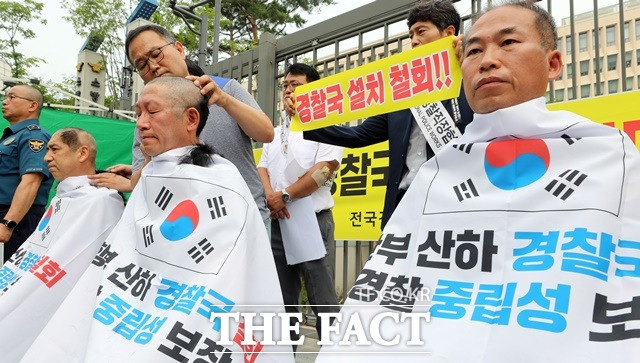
(91, 77)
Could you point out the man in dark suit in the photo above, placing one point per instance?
(408, 148)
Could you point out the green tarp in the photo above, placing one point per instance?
(113, 137)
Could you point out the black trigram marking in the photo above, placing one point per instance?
(46, 233)
(466, 148)
(147, 235)
(203, 247)
(466, 190)
(570, 140)
(216, 206)
(563, 190)
(163, 198)
(58, 203)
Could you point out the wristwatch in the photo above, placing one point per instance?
(9, 223)
(285, 195)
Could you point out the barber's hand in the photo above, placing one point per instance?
(289, 105)
(211, 89)
(111, 181)
(457, 44)
(121, 169)
(5, 234)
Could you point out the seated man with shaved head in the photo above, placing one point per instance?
(50, 262)
(191, 242)
(518, 242)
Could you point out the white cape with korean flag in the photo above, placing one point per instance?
(191, 242)
(522, 240)
(47, 266)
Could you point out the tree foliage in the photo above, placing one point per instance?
(14, 26)
(242, 22)
(253, 17)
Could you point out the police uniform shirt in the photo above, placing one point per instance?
(22, 149)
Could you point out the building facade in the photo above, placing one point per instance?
(579, 53)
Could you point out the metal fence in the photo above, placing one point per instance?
(379, 29)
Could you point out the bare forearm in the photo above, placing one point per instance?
(24, 196)
(253, 122)
(266, 181)
(307, 183)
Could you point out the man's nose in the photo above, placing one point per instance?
(489, 59)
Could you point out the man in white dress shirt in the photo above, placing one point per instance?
(292, 168)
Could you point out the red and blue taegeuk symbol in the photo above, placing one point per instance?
(513, 164)
(46, 219)
(181, 222)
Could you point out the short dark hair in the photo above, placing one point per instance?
(545, 24)
(152, 27)
(441, 13)
(303, 69)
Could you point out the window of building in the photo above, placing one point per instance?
(638, 57)
(629, 83)
(546, 96)
(569, 70)
(585, 91)
(568, 44)
(559, 96)
(570, 93)
(626, 32)
(612, 62)
(559, 44)
(611, 35)
(613, 86)
(627, 58)
(584, 67)
(582, 39)
(637, 28)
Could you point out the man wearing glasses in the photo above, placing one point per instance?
(234, 116)
(24, 177)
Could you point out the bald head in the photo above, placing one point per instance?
(71, 152)
(33, 94)
(182, 94)
(22, 102)
(171, 114)
(75, 138)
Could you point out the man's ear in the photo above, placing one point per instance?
(83, 153)
(554, 59)
(180, 49)
(450, 30)
(193, 119)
